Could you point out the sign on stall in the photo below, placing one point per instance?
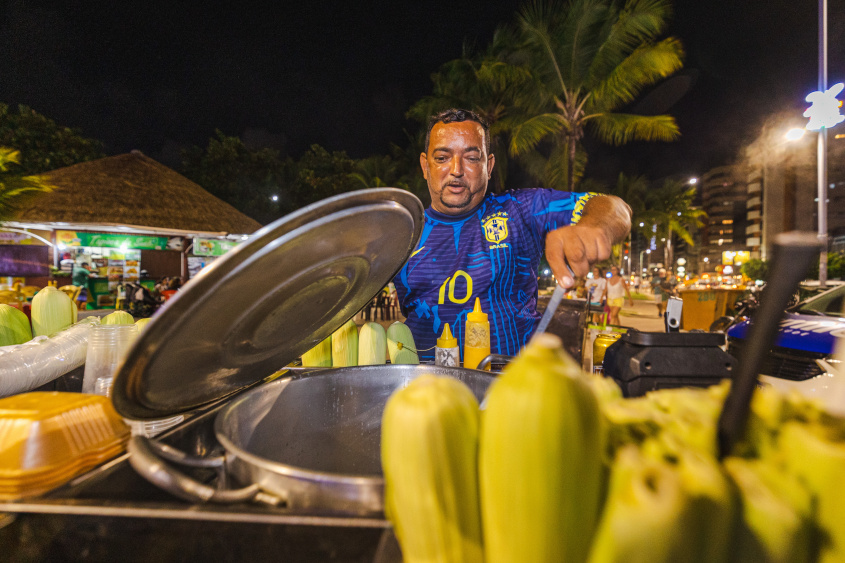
(212, 246)
(107, 240)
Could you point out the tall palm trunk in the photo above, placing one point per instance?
(570, 170)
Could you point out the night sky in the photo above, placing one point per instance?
(160, 76)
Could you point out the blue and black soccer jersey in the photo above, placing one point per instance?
(493, 253)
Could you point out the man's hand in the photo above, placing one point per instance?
(605, 221)
(578, 245)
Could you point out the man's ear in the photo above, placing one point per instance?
(491, 162)
(424, 164)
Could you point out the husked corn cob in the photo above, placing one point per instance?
(345, 345)
(372, 345)
(644, 509)
(812, 453)
(776, 514)
(540, 461)
(429, 449)
(320, 356)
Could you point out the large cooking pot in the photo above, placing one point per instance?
(309, 442)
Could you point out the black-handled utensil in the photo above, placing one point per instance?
(792, 255)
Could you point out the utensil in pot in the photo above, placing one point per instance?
(792, 255)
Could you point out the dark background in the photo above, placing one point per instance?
(161, 76)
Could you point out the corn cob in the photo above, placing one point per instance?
(320, 356)
(811, 454)
(776, 514)
(345, 345)
(118, 318)
(429, 448)
(372, 345)
(645, 504)
(14, 326)
(400, 344)
(52, 311)
(541, 459)
(708, 521)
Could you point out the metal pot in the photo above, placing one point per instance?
(309, 442)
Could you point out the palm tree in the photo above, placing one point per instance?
(14, 190)
(591, 59)
(669, 212)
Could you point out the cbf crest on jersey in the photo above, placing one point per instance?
(496, 228)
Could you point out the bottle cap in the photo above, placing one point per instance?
(446, 339)
(477, 315)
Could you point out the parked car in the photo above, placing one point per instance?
(802, 356)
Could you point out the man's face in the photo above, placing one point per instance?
(456, 166)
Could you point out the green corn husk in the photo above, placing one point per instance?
(400, 344)
(14, 326)
(540, 465)
(811, 453)
(709, 519)
(643, 515)
(372, 345)
(142, 323)
(429, 449)
(52, 311)
(118, 318)
(776, 525)
(320, 356)
(345, 345)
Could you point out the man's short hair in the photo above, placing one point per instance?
(456, 115)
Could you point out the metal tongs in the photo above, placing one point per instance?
(792, 255)
(554, 302)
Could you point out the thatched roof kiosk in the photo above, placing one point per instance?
(131, 190)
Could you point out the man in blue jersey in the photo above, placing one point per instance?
(475, 244)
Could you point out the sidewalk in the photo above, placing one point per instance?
(642, 316)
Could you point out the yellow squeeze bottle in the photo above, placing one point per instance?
(447, 353)
(476, 337)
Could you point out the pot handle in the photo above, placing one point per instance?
(145, 460)
(494, 359)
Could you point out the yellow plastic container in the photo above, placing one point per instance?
(48, 438)
(477, 337)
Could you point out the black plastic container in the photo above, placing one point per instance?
(644, 361)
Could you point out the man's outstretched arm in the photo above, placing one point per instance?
(605, 221)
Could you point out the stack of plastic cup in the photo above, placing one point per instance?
(107, 347)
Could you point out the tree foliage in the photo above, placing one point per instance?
(43, 144)
(15, 189)
(755, 269)
(246, 179)
(590, 59)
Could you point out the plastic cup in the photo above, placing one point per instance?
(107, 347)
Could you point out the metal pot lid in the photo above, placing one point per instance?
(264, 303)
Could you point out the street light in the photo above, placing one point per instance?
(795, 134)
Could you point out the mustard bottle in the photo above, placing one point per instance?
(447, 352)
(476, 337)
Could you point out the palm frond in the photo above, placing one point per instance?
(527, 134)
(621, 128)
(17, 190)
(644, 67)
